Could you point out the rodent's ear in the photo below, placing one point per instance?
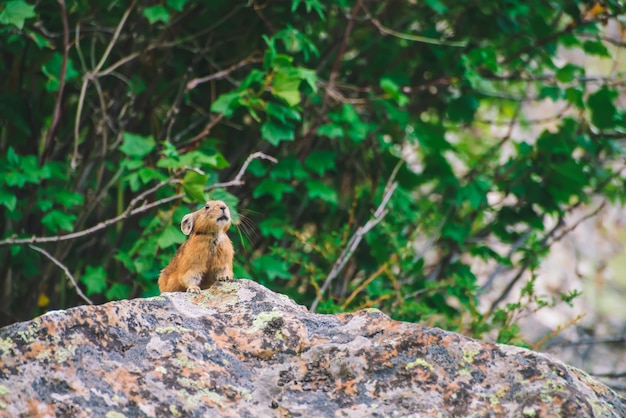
(186, 224)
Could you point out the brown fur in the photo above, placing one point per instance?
(206, 256)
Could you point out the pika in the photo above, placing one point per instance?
(206, 256)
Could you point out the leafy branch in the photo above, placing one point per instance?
(132, 209)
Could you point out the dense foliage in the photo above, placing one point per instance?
(395, 125)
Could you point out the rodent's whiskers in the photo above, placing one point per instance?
(246, 227)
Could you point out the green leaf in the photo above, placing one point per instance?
(310, 5)
(275, 132)
(8, 199)
(39, 40)
(170, 236)
(272, 227)
(331, 130)
(44, 204)
(12, 157)
(596, 48)
(553, 92)
(602, 108)
(68, 198)
(225, 103)
(15, 12)
(271, 188)
(437, 6)
(296, 41)
(568, 72)
(94, 280)
(575, 95)
(318, 189)
(308, 76)
(52, 70)
(15, 178)
(455, 231)
(177, 5)
(55, 220)
(156, 14)
(473, 194)
(193, 185)
(286, 86)
(255, 77)
(258, 168)
(320, 161)
(118, 291)
(132, 165)
(282, 113)
(393, 90)
(137, 146)
(463, 108)
(288, 168)
(272, 267)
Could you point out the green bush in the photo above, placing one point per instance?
(117, 118)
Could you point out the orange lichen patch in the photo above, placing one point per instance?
(122, 380)
(349, 387)
(39, 409)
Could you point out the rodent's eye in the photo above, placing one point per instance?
(207, 207)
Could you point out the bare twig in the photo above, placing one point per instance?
(192, 84)
(410, 37)
(67, 272)
(549, 239)
(366, 282)
(578, 222)
(355, 240)
(619, 339)
(93, 74)
(539, 344)
(132, 210)
(610, 375)
(237, 180)
(114, 38)
(190, 144)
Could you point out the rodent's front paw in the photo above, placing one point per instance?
(193, 289)
(224, 278)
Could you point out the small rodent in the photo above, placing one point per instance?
(206, 256)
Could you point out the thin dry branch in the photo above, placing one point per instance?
(411, 37)
(355, 240)
(89, 76)
(132, 210)
(65, 269)
(549, 239)
(192, 84)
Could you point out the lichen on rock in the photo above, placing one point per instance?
(240, 350)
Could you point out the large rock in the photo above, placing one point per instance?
(241, 350)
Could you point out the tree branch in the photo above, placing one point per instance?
(192, 84)
(132, 210)
(410, 37)
(67, 272)
(545, 242)
(93, 74)
(354, 242)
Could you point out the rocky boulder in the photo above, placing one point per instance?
(241, 350)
